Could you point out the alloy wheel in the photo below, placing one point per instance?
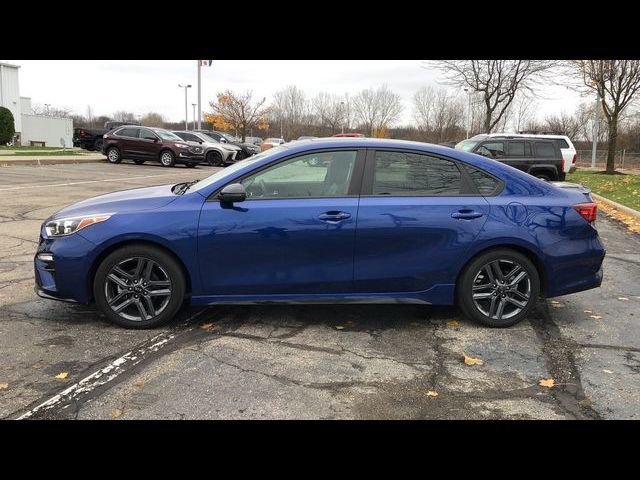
(113, 155)
(166, 159)
(137, 289)
(501, 289)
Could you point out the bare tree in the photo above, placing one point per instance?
(616, 82)
(524, 111)
(563, 124)
(49, 111)
(330, 110)
(152, 119)
(498, 81)
(124, 116)
(238, 112)
(376, 109)
(291, 111)
(439, 114)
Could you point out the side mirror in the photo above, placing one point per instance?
(232, 193)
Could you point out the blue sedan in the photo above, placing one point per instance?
(328, 220)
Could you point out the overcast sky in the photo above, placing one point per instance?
(141, 86)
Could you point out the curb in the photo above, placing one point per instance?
(618, 206)
(8, 162)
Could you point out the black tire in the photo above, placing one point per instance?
(98, 145)
(139, 162)
(214, 159)
(113, 155)
(190, 165)
(543, 176)
(167, 158)
(476, 275)
(166, 265)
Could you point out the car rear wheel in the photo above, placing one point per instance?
(543, 176)
(498, 288)
(139, 286)
(167, 159)
(113, 155)
(139, 162)
(214, 159)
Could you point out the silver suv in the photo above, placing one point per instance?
(215, 153)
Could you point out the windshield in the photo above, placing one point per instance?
(165, 135)
(467, 145)
(207, 138)
(220, 174)
(228, 137)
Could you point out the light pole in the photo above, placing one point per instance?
(186, 120)
(342, 115)
(194, 114)
(468, 111)
(47, 105)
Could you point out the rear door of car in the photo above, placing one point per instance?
(519, 154)
(418, 215)
(128, 140)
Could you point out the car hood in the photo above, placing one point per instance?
(137, 199)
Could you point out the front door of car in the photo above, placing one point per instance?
(294, 233)
(418, 215)
(148, 144)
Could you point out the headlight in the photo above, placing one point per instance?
(181, 145)
(67, 226)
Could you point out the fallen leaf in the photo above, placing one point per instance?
(139, 384)
(606, 371)
(555, 302)
(453, 323)
(597, 317)
(4, 386)
(559, 305)
(339, 327)
(588, 311)
(36, 366)
(547, 383)
(350, 323)
(431, 393)
(623, 298)
(116, 412)
(207, 326)
(471, 361)
(62, 375)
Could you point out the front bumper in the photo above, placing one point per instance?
(188, 157)
(51, 295)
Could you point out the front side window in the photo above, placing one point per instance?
(412, 174)
(491, 149)
(320, 174)
(147, 134)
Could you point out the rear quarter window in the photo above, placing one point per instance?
(562, 143)
(485, 183)
(545, 150)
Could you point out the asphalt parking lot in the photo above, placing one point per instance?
(263, 362)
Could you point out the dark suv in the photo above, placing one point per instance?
(142, 144)
(539, 157)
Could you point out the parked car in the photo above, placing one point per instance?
(215, 153)
(381, 221)
(247, 149)
(306, 137)
(254, 140)
(142, 144)
(349, 135)
(91, 138)
(539, 157)
(270, 143)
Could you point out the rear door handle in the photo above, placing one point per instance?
(334, 216)
(466, 214)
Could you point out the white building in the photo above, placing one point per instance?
(31, 129)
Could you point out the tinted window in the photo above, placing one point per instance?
(486, 184)
(182, 135)
(515, 149)
(410, 174)
(147, 134)
(127, 132)
(322, 174)
(562, 143)
(491, 149)
(545, 150)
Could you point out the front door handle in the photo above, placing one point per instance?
(466, 214)
(334, 216)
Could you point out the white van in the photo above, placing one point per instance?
(569, 154)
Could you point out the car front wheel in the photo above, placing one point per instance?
(167, 159)
(498, 288)
(214, 159)
(139, 286)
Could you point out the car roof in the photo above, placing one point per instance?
(364, 142)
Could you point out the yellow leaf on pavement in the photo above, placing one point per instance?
(453, 323)
(116, 412)
(339, 327)
(588, 311)
(623, 298)
(431, 393)
(62, 375)
(597, 317)
(471, 361)
(606, 371)
(3, 386)
(547, 383)
(207, 326)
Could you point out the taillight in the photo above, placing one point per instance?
(588, 211)
(563, 164)
(83, 133)
(575, 157)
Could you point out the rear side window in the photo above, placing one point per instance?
(562, 143)
(412, 174)
(127, 132)
(486, 184)
(545, 150)
(515, 149)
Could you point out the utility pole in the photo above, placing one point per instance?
(199, 94)
(468, 111)
(342, 108)
(596, 128)
(186, 114)
(194, 115)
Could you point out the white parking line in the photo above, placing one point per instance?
(111, 371)
(120, 179)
